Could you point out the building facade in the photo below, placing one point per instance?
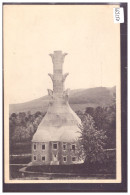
(56, 139)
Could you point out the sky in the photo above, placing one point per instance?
(31, 32)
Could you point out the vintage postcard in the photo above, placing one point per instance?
(62, 93)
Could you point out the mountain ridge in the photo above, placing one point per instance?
(79, 99)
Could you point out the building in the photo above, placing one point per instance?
(55, 141)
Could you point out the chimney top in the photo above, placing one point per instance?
(58, 57)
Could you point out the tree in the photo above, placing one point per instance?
(20, 134)
(90, 111)
(36, 122)
(23, 125)
(92, 141)
(105, 119)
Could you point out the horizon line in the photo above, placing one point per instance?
(47, 95)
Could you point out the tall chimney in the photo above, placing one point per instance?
(58, 78)
(60, 125)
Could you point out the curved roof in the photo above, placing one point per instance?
(59, 124)
(63, 134)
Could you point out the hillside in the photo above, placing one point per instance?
(79, 99)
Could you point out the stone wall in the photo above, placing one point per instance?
(55, 153)
(39, 153)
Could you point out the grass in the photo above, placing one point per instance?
(75, 171)
(16, 174)
(107, 168)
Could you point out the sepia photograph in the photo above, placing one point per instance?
(62, 93)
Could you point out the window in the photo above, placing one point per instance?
(73, 158)
(43, 146)
(35, 146)
(73, 146)
(64, 147)
(55, 146)
(35, 158)
(43, 158)
(64, 158)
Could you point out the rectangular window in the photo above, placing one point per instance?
(64, 147)
(73, 146)
(43, 146)
(35, 158)
(64, 158)
(43, 158)
(55, 146)
(73, 158)
(35, 146)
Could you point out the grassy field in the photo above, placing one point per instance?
(97, 168)
(107, 169)
(15, 174)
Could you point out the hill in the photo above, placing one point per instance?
(79, 99)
